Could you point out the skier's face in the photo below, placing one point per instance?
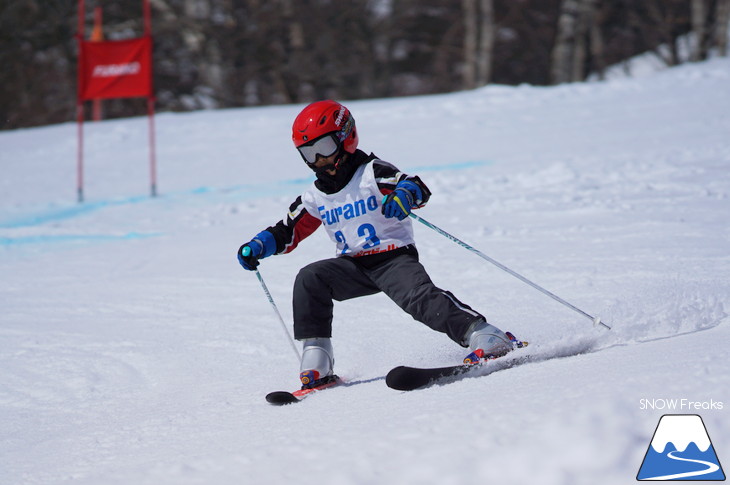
(325, 161)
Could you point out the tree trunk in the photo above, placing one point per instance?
(486, 43)
(562, 54)
(575, 29)
(597, 44)
(699, 31)
(580, 49)
(469, 73)
(722, 25)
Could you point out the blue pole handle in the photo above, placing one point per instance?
(246, 251)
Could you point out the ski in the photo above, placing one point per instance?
(280, 398)
(405, 378)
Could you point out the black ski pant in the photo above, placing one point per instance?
(401, 277)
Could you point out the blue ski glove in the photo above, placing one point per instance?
(261, 246)
(402, 200)
(248, 254)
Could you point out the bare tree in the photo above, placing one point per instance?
(598, 59)
(225, 53)
(699, 30)
(584, 23)
(722, 25)
(562, 56)
(469, 71)
(487, 34)
(479, 35)
(572, 43)
(666, 21)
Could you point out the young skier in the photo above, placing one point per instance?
(375, 246)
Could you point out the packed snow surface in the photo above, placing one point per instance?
(135, 350)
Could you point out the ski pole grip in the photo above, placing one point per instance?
(246, 251)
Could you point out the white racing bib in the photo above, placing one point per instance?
(353, 217)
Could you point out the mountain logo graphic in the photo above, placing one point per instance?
(681, 450)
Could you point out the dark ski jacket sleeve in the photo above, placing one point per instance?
(297, 225)
(388, 177)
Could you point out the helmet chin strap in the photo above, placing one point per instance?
(341, 157)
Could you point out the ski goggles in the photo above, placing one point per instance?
(324, 146)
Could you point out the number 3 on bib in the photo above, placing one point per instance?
(371, 239)
(367, 231)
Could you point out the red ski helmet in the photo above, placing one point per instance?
(323, 118)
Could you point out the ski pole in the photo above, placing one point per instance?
(596, 320)
(246, 252)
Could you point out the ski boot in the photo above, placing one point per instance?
(487, 342)
(317, 363)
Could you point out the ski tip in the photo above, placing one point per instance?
(280, 398)
(399, 379)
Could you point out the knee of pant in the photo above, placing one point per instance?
(419, 301)
(307, 276)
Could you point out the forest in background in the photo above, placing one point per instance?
(212, 54)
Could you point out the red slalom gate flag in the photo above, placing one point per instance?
(115, 69)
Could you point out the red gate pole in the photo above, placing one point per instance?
(153, 160)
(80, 110)
(150, 105)
(80, 152)
(97, 35)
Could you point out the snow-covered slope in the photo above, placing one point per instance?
(135, 350)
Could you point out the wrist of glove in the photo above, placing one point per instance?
(399, 203)
(261, 246)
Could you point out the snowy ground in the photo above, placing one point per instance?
(135, 350)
